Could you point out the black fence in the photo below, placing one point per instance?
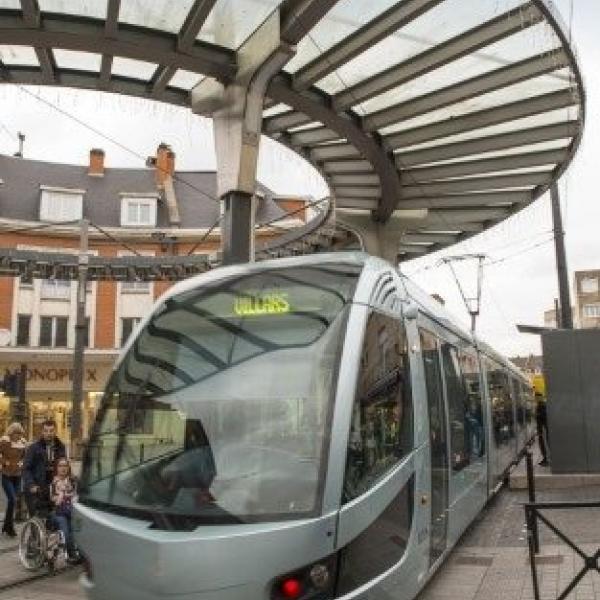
(533, 516)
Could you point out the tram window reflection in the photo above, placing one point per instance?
(219, 412)
(465, 411)
(469, 365)
(502, 404)
(381, 431)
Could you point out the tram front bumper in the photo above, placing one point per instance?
(131, 561)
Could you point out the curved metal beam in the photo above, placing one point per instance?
(317, 106)
(360, 150)
(549, 11)
(89, 80)
(139, 43)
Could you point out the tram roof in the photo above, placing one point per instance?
(455, 114)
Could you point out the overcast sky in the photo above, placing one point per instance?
(518, 287)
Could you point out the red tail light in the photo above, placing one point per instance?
(291, 588)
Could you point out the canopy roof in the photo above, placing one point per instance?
(451, 114)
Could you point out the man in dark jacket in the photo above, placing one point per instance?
(38, 467)
(541, 419)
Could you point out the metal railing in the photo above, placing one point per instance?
(533, 516)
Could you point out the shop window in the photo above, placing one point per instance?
(465, 412)
(53, 332)
(23, 330)
(381, 432)
(56, 289)
(127, 326)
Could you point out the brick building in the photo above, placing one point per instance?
(155, 211)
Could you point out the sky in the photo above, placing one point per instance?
(519, 283)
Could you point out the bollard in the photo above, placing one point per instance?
(532, 522)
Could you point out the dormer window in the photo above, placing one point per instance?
(138, 211)
(60, 204)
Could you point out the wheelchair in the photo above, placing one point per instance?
(41, 543)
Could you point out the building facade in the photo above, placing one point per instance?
(587, 298)
(586, 301)
(155, 211)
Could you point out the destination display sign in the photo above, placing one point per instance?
(261, 303)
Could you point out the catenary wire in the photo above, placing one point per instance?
(137, 155)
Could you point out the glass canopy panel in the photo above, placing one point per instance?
(158, 14)
(311, 125)
(558, 144)
(552, 117)
(341, 21)
(231, 22)
(136, 69)
(276, 109)
(185, 80)
(82, 8)
(81, 61)
(18, 55)
(537, 86)
(524, 44)
(10, 4)
(443, 22)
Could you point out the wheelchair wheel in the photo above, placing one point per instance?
(32, 545)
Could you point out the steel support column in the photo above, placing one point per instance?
(237, 227)
(80, 329)
(566, 314)
(236, 108)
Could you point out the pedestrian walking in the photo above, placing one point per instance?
(38, 468)
(12, 452)
(541, 419)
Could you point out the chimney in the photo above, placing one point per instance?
(165, 164)
(96, 168)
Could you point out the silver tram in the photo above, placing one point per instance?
(307, 428)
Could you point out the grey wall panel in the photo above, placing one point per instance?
(589, 356)
(568, 452)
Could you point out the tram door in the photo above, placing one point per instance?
(438, 440)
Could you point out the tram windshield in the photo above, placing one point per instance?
(219, 411)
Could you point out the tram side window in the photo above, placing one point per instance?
(469, 365)
(520, 402)
(457, 408)
(527, 394)
(381, 431)
(501, 400)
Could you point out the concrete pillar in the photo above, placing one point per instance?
(236, 108)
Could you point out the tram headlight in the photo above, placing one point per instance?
(320, 576)
(313, 582)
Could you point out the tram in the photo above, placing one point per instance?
(305, 428)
